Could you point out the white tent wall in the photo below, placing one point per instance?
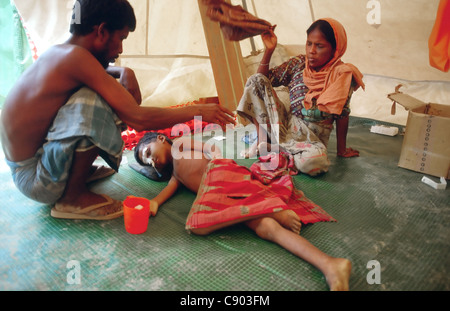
(170, 57)
(393, 52)
(169, 53)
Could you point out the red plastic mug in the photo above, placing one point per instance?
(136, 213)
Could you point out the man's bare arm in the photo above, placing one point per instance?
(128, 80)
(87, 70)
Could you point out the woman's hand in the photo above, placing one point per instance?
(270, 40)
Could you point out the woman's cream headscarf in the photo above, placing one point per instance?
(330, 86)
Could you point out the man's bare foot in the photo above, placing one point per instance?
(81, 200)
(289, 220)
(338, 274)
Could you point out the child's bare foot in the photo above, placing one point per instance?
(289, 220)
(338, 274)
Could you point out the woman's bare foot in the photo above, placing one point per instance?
(264, 148)
(289, 220)
(338, 274)
(250, 152)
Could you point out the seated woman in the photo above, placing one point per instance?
(228, 194)
(320, 87)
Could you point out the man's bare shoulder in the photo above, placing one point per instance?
(74, 64)
(67, 53)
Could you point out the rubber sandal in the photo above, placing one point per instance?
(77, 213)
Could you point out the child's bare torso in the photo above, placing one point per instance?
(189, 168)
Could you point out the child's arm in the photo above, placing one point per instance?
(164, 195)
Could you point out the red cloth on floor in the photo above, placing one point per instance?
(272, 166)
(131, 137)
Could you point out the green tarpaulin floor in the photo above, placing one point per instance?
(385, 214)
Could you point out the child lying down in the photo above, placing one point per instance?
(228, 194)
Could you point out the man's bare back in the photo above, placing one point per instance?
(35, 100)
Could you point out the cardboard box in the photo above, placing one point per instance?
(426, 145)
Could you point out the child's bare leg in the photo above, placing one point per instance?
(286, 218)
(211, 229)
(336, 270)
(289, 220)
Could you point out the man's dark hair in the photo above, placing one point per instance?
(116, 14)
(146, 169)
(326, 29)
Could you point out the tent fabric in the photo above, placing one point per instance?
(15, 53)
(169, 54)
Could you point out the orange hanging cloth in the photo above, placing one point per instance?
(236, 23)
(439, 41)
(331, 85)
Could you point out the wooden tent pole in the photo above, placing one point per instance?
(226, 61)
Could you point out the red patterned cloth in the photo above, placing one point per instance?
(131, 137)
(272, 166)
(229, 192)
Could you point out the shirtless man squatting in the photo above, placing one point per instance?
(70, 106)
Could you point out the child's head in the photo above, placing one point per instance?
(154, 150)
